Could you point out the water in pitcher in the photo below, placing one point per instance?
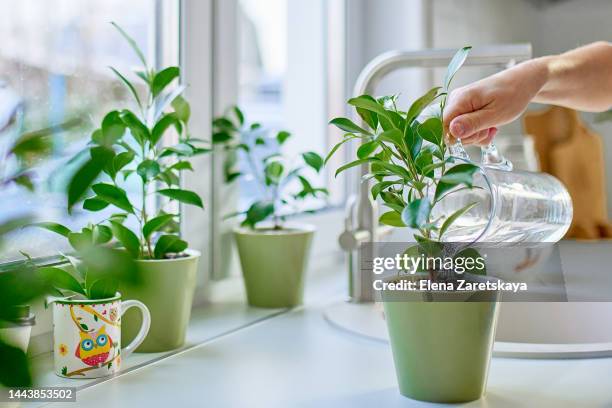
(512, 206)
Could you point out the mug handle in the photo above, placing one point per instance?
(144, 328)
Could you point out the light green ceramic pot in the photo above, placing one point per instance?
(441, 348)
(166, 288)
(274, 264)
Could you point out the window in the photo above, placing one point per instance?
(283, 78)
(55, 57)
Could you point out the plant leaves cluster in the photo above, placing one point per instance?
(128, 145)
(273, 172)
(408, 158)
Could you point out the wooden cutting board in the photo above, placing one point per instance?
(573, 153)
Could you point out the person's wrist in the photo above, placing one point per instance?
(539, 70)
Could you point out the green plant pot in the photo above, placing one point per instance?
(274, 264)
(442, 348)
(166, 288)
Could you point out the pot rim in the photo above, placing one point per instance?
(192, 253)
(68, 301)
(288, 229)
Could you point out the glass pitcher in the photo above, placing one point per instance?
(513, 205)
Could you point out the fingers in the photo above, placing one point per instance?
(482, 138)
(472, 123)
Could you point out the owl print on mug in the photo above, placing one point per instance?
(94, 348)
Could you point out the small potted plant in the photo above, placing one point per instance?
(273, 254)
(88, 310)
(441, 348)
(126, 149)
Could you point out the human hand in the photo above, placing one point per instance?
(474, 112)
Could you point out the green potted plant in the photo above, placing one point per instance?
(273, 255)
(126, 149)
(441, 340)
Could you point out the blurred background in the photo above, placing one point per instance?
(289, 64)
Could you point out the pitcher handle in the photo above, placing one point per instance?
(490, 156)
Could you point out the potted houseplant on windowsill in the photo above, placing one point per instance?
(88, 310)
(441, 340)
(273, 254)
(125, 149)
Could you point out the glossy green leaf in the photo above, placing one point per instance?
(87, 173)
(129, 85)
(380, 186)
(337, 146)
(423, 163)
(349, 126)
(163, 78)
(181, 107)
(416, 213)
(60, 279)
(366, 149)
(392, 136)
(431, 130)
(103, 288)
(355, 163)
(112, 128)
(155, 224)
(127, 238)
(392, 218)
(81, 240)
(257, 212)
(414, 142)
(162, 125)
(282, 136)
(239, 115)
(53, 227)
(137, 128)
(313, 160)
(169, 244)
(184, 196)
(182, 165)
(101, 234)
(454, 65)
(94, 204)
(273, 171)
(113, 195)
(147, 169)
(132, 43)
(417, 106)
(366, 102)
(368, 117)
(460, 174)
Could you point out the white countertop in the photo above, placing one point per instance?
(298, 359)
(238, 356)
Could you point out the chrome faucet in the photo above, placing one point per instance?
(361, 221)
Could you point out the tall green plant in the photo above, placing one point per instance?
(409, 158)
(128, 145)
(273, 172)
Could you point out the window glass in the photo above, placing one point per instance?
(270, 86)
(54, 60)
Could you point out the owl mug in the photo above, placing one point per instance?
(87, 335)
